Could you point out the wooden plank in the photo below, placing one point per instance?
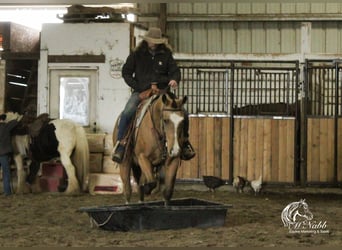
(225, 147)
(323, 153)
(309, 150)
(162, 17)
(251, 143)
(194, 133)
(259, 154)
(8, 55)
(275, 150)
(267, 162)
(210, 146)
(76, 58)
(217, 146)
(315, 159)
(290, 150)
(330, 150)
(237, 143)
(202, 153)
(339, 155)
(243, 147)
(282, 151)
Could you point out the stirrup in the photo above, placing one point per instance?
(118, 153)
(188, 152)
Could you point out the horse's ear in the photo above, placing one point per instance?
(164, 99)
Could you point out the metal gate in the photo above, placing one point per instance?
(254, 118)
(322, 142)
(244, 119)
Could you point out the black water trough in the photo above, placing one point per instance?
(180, 213)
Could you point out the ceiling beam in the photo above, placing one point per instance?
(172, 18)
(109, 2)
(57, 2)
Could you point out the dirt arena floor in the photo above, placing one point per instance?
(50, 219)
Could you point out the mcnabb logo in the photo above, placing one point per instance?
(298, 218)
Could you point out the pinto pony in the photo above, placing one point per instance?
(154, 148)
(43, 139)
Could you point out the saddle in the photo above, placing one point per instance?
(35, 127)
(31, 125)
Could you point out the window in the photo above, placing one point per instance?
(74, 99)
(73, 94)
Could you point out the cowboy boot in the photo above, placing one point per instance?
(118, 153)
(188, 151)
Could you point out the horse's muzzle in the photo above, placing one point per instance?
(174, 152)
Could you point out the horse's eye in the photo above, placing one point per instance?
(166, 121)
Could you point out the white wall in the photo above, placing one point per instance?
(110, 39)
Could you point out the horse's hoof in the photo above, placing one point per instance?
(148, 187)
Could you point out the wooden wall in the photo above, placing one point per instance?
(264, 147)
(320, 151)
(261, 146)
(210, 139)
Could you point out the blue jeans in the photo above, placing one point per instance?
(129, 112)
(6, 174)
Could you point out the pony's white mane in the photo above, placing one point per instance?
(10, 116)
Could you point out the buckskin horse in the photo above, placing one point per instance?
(153, 146)
(42, 139)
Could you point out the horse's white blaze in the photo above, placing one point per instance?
(176, 120)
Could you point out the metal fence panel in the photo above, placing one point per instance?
(246, 88)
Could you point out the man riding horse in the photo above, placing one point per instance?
(148, 70)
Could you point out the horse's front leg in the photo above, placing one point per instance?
(146, 167)
(31, 179)
(171, 168)
(18, 159)
(73, 185)
(125, 173)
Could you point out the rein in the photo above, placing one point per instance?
(159, 134)
(157, 128)
(158, 131)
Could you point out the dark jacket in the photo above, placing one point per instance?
(142, 68)
(5, 136)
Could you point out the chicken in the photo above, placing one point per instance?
(213, 182)
(257, 185)
(239, 183)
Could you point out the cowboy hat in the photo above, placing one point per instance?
(154, 35)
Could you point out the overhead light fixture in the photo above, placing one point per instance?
(131, 17)
(18, 84)
(17, 76)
